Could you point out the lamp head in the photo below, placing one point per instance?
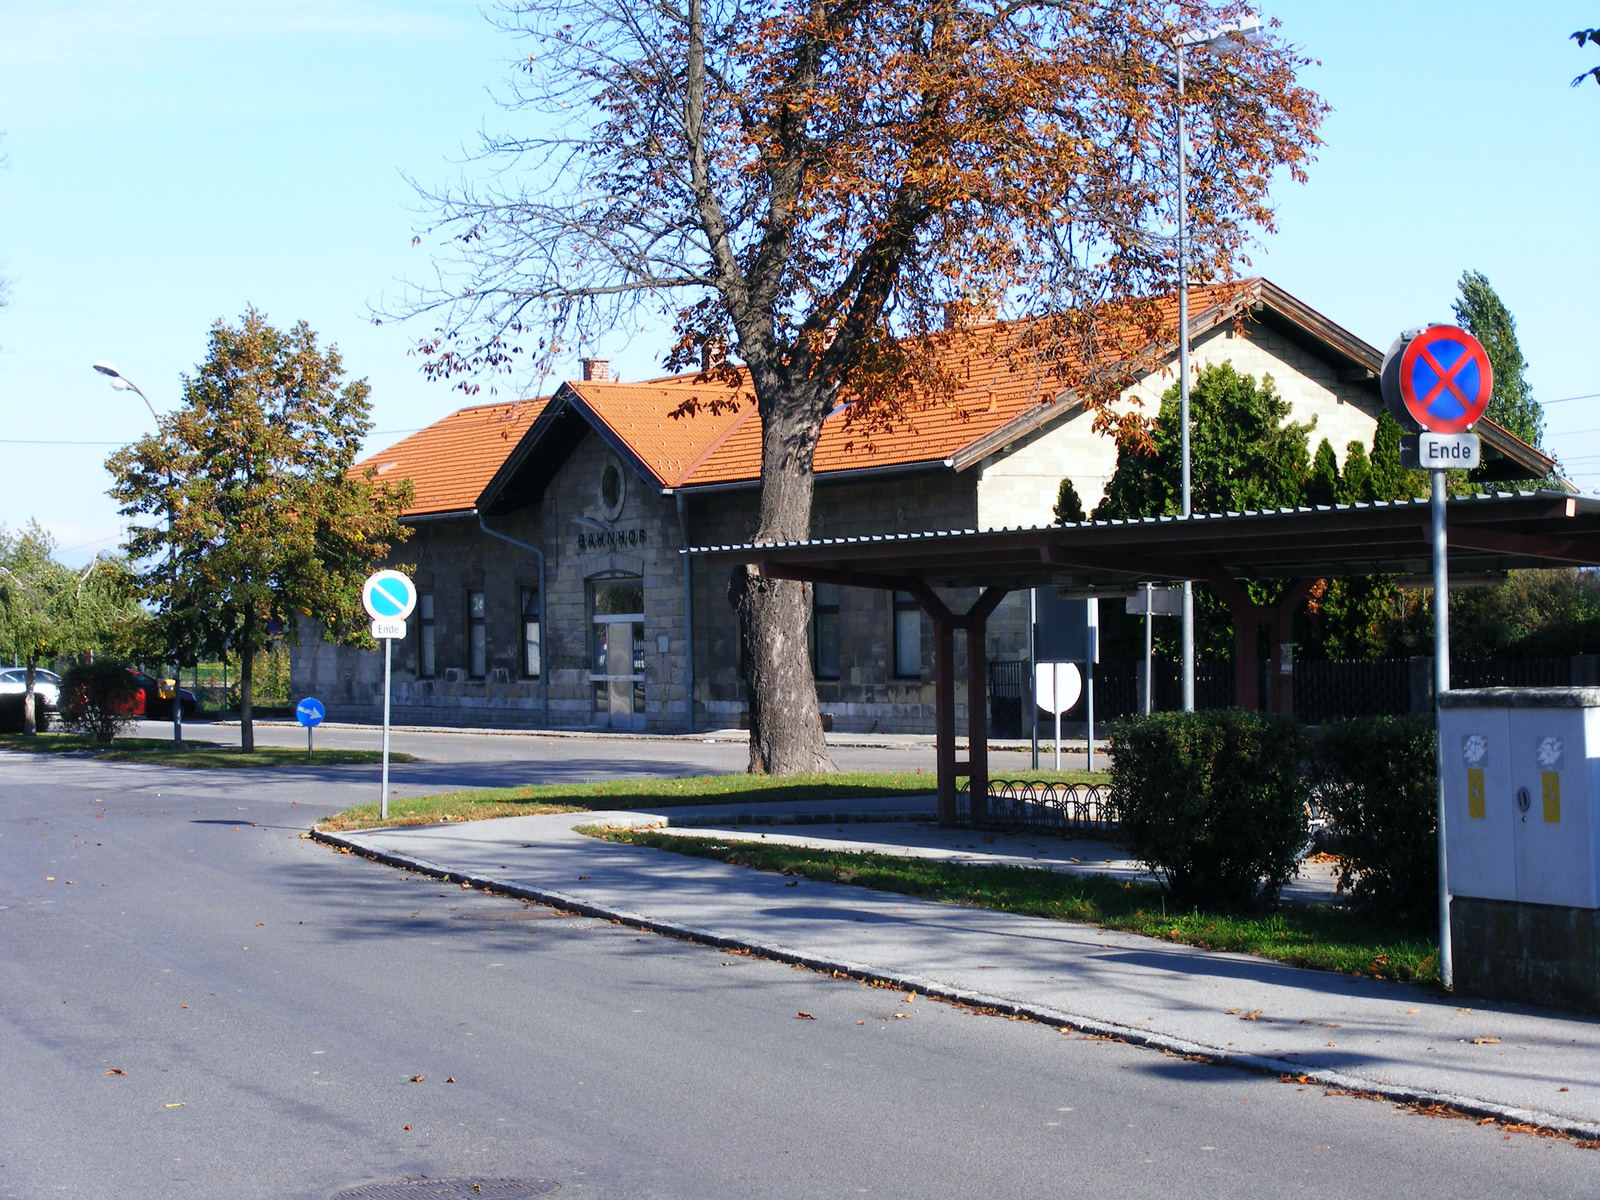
(106, 368)
(1225, 37)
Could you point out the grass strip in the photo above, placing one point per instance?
(652, 793)
(189, 754)
(1325, 937)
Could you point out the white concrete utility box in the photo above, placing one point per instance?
(1521, 774)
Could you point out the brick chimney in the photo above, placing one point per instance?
(965, 314)
(713, 353)
(596, 370)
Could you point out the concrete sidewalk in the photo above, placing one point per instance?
(1406, 1042)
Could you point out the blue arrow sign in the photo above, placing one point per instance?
(309, 712)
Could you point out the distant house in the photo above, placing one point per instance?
(617, 630)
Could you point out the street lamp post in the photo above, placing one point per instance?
(123, 384)
(1215, 37)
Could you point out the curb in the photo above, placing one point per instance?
(1470, 1106)
(726, 737)
(887, 816)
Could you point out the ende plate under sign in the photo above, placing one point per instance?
(1441, 451)
(388, 630)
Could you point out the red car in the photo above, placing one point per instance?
(149, 702)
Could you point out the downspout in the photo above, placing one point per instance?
(688, 617)
(544, 640)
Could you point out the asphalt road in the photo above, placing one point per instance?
(269, 1003)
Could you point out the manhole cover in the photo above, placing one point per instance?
(451, 1189)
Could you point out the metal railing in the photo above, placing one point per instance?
(1067, 809)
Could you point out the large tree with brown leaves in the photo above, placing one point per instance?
(814, 181)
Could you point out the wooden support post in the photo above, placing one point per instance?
(1246, 669)
(977, 621)
(977, 721)
(944, 714)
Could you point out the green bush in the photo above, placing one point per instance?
(1213, 802)
(98, 700)
(1376, 779)
(12, 716)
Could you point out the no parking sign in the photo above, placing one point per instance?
(1437, 379)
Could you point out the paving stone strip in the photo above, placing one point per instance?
(1407, 1043)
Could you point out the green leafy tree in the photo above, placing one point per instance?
(1069, 509)
(48, 610)
(1482, 313)
(1245, 453)
(35, 592)
(265, 518)
(1534, 614)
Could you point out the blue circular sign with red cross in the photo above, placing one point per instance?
(1445, 379)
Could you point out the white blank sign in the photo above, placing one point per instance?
(1045, 676)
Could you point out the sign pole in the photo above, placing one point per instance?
(1055, 703)
(1149, 649)
(383, 804)
(309, 732)
(1033, 669)
(1091, 653)
(1441, 685)
(389, 598)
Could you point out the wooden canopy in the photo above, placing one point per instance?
(1488, 535)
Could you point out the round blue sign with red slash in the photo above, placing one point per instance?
(1445, 379)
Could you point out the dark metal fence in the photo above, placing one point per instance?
(1008, 695)
(1512, 672)
(1324, 690)
(1067, 809)
(1351, 688)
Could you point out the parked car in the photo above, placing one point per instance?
(46, 685)
(151, 704)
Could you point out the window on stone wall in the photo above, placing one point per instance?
(477, 637)
(907, 636)
(531, 652)
(825, 631)
(427, 660)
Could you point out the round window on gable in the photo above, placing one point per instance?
(613, 491)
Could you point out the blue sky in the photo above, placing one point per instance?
(172, 161)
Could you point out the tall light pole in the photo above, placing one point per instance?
(123, 384)
(1217, 36)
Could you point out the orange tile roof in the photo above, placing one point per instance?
(704, 449)
(640, 416)
(451, 461)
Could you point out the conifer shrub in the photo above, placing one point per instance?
(1213, 802)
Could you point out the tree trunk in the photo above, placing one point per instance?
(785, 727)
(247, 731)
(30, 724)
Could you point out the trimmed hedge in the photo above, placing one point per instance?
(12, 716)
(1377, 784)
(1213, 802)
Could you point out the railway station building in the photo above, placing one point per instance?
(547, 535)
